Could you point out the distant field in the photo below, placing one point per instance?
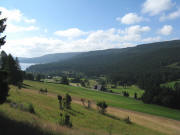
(85, 122)
(170, 84)
(131, 90)
(111, 99)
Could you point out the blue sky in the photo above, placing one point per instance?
(38, 27)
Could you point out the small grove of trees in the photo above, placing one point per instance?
(28, 76)
(126, 94)
(38, 77)
(102, 106)
(65, 80)
(163, 96)
(3, 74)
(64, 105)
(12, 67)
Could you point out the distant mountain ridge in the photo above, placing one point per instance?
(142, 58)
(49, 58)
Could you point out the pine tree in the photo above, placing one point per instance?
(2, 28)
(3, 75)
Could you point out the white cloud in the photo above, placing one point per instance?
(94, 40)
(136, 29)
(70, 33)
(166, 30)
(170, 16)
(15, 15)
(12, 15)
(155, 7)
(130, 18)
(151, 39)
(15, 28)
(16, 20)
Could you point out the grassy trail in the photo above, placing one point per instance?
(161, 124)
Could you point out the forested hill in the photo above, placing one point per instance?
(147, 57)
(48, 58)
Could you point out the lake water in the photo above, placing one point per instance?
(24, 66)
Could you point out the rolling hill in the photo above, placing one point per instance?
(48, 58)
(146, 57)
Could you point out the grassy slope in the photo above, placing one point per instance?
(112, 100)
(84, 121)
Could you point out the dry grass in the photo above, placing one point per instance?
(161, 124)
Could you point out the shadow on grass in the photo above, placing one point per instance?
(26, 85)
(11, 127)
(74, 112)
(112, 117)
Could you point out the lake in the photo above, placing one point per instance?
(24, 66)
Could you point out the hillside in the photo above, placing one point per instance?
(147, 119)
(147, 57)
(48, 58)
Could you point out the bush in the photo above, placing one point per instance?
(67, 101)
(127, 120)
(31, 108)
(102, 106)
(126, 94)
(65, 120)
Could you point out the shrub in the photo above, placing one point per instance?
(135, 95)
(31, 108)
(126, 94)
(102, 107)
(67, 101)
(83, 101)
(60, 102)
(89, 104)
(127, 120)
(65, 120)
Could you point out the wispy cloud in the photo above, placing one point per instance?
(170, 16)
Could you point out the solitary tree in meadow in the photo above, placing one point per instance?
(60, 101)
(67, 101)
(102, 107)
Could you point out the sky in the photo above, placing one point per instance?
(39, 27)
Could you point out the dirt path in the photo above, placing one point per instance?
(161, 124)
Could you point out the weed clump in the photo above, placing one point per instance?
(31, 108)
(127, 120)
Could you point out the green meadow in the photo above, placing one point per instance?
(112, 99)
(85, 121)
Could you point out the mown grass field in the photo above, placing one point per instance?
(130, 89)
(85, 121)
(112, 99)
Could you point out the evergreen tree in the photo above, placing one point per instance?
(2, 28)
(3, 75)
(102, 107)
(67, 101)
(11, 65)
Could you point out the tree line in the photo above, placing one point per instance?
(10, 71)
